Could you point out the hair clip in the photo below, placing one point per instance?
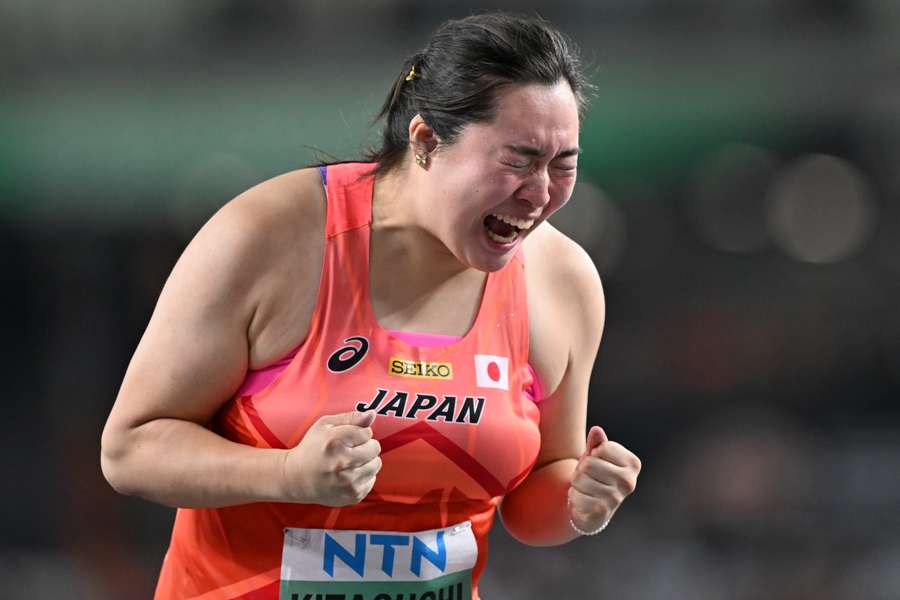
(412, 74)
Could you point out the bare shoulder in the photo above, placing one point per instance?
(220, 302)
(274, 215)
(245, 247)
(554, 258)
(565, 302)
(281, 223)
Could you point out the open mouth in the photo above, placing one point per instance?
(504, 229)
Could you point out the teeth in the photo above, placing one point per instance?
(520, 223)
(500, 238)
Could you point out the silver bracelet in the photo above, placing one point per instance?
(594, 532)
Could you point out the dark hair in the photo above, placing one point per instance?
(461, 70)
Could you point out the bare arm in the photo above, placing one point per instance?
(538, 511)
(191, 359)
(195, 353)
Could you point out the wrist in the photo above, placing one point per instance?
(285, 490)
(582, 527)
(594, 531)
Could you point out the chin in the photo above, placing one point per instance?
(491, 266)
(489, 261)
(480, 253)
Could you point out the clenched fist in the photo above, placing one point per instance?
(606, 474)
(335, 463)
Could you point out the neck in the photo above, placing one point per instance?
(400, 236)
(413, 276)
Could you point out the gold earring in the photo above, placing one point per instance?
(421, 159)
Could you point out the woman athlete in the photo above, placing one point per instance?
(343, 380)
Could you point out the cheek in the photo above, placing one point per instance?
(490, 190)
(502, 183)
(561, 193)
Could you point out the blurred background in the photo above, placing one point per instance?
(738, 191)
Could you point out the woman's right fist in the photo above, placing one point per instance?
(335, 463)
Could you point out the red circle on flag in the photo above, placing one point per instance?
(493, 371)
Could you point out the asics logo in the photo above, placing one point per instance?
(347, 357)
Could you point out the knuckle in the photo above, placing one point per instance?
(361, 491)
(333, 445)
(575, 490)
(630, 484)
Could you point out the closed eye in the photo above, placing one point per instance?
(516, 165)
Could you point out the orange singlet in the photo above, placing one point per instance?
(456, 429)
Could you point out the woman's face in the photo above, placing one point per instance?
(502, 179)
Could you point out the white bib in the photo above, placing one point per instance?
(346, 564)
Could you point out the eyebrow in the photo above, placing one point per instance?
(537, 152)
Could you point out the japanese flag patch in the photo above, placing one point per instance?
(492, 371)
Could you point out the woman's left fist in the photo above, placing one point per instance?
(606, 474)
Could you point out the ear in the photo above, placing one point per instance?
(422, 137)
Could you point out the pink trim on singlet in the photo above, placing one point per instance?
(535, 391)
(426, 340)
(257, 379)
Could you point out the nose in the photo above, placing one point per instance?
(536, 190)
